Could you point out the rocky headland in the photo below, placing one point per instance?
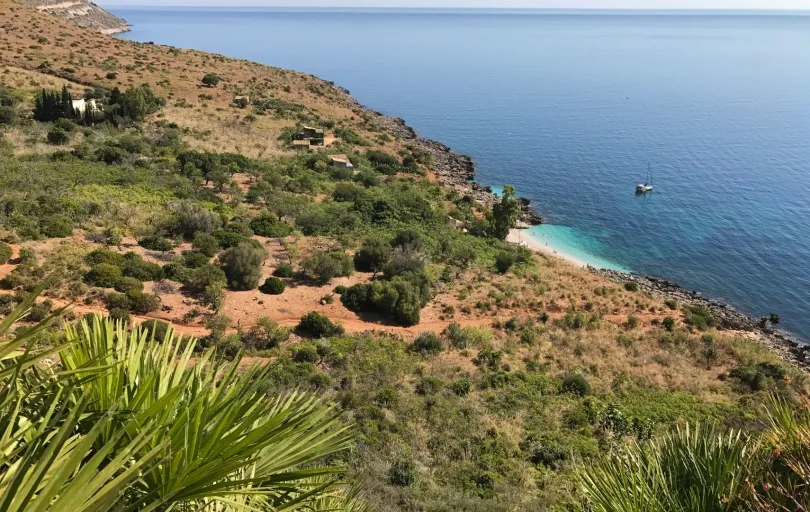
(84, 13)
(453, 169)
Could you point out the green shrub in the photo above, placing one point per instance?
(457, 336)
(265, 334)
(56, 226)
(427, 343)
(631, 286)
(156, 330)
(5, 253)
(461, 387)
(317, 325)
(284, 270)
(205, 244)
(194, 260)
(156, 243)
(119, 314)
(127, 284)
(632, 322)
(321, 267)
(504, 261)
(306, 354)
(267, 224)
(372, 255)
(39, 311)
(340, 289)
(699, 318)
(198, 280)
(759, 376)
(576, 385)
(272, 286)
(143, 303)
(402, 473)
(243, 266)
(399, 300)
(104, 256)
(117, 301)
(103, 275)
(58, 136)
(320, 380)
(671, 304)
(135, 266)
(669, 323)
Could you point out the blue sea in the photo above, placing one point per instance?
(571, 108)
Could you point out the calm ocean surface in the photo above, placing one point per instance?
(570, 108)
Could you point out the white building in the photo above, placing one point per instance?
(82, 105)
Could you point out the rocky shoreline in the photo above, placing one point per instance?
(788, 347)
(453, 169)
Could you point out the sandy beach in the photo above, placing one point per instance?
(520, 236)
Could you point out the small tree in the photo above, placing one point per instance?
(505, 214)
(265, 334)
(323, 266)
(205, 244)
(211, 80)
(243, 265)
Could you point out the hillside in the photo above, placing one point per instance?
(84, 13)
(479, 375)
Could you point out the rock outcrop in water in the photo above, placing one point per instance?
(82, 12)
(782, 343)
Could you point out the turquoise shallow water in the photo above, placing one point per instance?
(571, 108)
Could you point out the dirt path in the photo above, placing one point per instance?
(8, 268)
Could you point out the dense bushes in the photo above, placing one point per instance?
(317, 325)
(321, 267)
(400, 299)
(243, 265)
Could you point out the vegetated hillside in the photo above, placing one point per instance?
(479, 376)
(84, 13)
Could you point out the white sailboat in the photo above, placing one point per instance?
(647, 186)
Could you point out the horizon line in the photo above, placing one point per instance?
(469, 8)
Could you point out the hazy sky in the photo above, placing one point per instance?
(557, 4)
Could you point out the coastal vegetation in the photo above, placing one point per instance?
(215, 320)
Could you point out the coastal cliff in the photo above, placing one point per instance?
(82, 12)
